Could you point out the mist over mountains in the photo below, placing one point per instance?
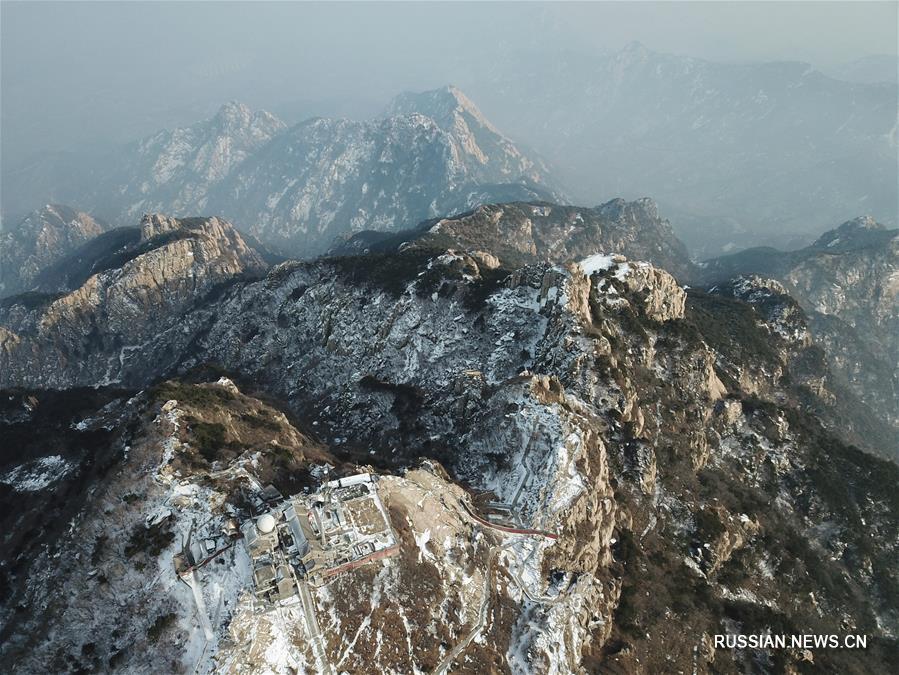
(299, 187)
(439, 338)
(735, 154)
(868, 69)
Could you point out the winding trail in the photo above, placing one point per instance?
(454, 653)
(202, 613)
(506, 528)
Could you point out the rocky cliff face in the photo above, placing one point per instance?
(135, 294)
(393, 172)
(520, 233)
(848, 284)
(854, 276)
(41, 239)
(487, 154)
(665, 438)
(834, 371)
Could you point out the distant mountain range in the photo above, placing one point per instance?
(298, 188)
(847, 281)
(736, 154)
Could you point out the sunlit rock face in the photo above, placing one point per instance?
(174, 265)
(173, 171)
(432, 154)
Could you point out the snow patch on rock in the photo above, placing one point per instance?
(37, 474)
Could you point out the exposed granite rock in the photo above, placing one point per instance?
(814, 349)
(298, 188)
(476, 143)
(174, 171)
(115, 311)
(394, 172)
(519, 233)
(153, 224)
(39, 240)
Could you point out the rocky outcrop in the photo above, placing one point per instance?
(854, 234)
(176, 264)
(154, 224)
(489, 156)
(521, 233)
(39, 240)
(663, 300)
(860, 287)
(174, 171)
(394, 172)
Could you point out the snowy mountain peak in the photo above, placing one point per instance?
(857, 230)
(448, 106)
(235, 116)
(234, 111)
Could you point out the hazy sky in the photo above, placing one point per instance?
(78, 73)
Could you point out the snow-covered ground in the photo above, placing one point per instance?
(37, 474)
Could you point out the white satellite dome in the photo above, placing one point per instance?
(266, 523)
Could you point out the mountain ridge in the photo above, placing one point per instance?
(41, 239)
(662, 436)
(519, 233)
(279, 180)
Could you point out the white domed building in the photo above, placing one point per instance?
(262, 535)
(266, 523)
